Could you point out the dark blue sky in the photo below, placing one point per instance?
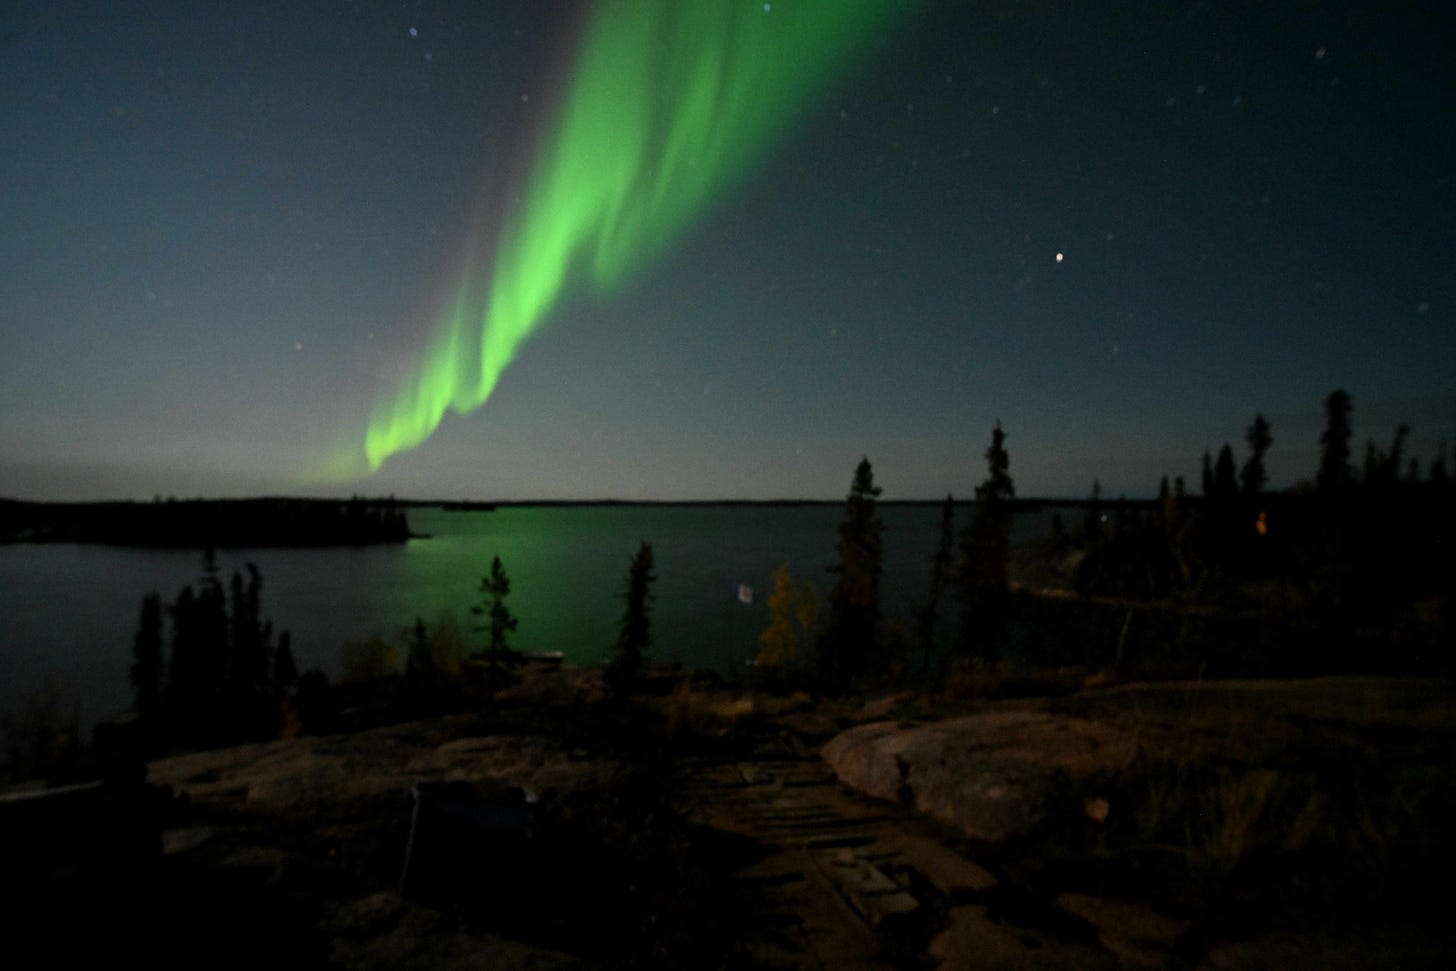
(227, 227)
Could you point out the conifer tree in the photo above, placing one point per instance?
(419, 662)
(986, 558)
(1253, 475)
(1438, 465)
(187, 673)
(499, 620)
(210, 627)
(1225, 479)
(251, 637)
(1092, 521)
(1334, 470)
(1391, 472)
(941, 566)
(850, 644)
(285, 669)
(635, 635)
(146, 668)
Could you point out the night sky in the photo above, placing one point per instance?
(229, 230)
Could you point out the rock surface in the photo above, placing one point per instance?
(988, 774)
(992, 773)
(310, 774)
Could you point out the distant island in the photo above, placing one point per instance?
(203, 523)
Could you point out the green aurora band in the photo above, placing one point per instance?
(670, 102)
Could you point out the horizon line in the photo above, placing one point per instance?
(598, 501)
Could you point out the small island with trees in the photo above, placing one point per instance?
(207, 523)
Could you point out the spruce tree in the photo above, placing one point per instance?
(1438, 465)
(1092, 519)
(849, 646)
(1391, 472)
(1253, 475)
(941, 565)
(285, 669)
(985, 564)
(210, 619)
(1225, 479)
(499, 620)
(1334, 469)
(419, 663)
(635, 635)
(146, 668)
(251, 637)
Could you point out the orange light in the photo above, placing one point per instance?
(1261, 525)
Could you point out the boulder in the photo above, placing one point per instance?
(990, 774)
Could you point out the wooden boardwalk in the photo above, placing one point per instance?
(851, 883)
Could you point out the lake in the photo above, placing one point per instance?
(68, 611)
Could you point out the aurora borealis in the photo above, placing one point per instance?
(668, 102)
(723, 249)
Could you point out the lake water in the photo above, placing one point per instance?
(68, 612)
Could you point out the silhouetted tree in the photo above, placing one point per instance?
(187, 680)
(1207, 475)
(1253, 475)
(849, 646)
(1167, 505)
(218, 685)
(1225, 479)
(1092, 520)
(419, 662)
(985, 564)
(1370, 477)
(500, 622)
(941, 566)
(1382, 468)
(210, 626)
(285, 669)
(251, 637)
(1438, 465)
(146, 668)
(1397, 452)
(635, 635)
(1334, 470)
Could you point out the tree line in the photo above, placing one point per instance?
(1362, 548)
(221, 676)
(207, 668)
(854, 641)
(1357, 550)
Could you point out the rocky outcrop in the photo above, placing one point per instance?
(310, 775)
(989, 774)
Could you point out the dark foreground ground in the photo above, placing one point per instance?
(1195, 825)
